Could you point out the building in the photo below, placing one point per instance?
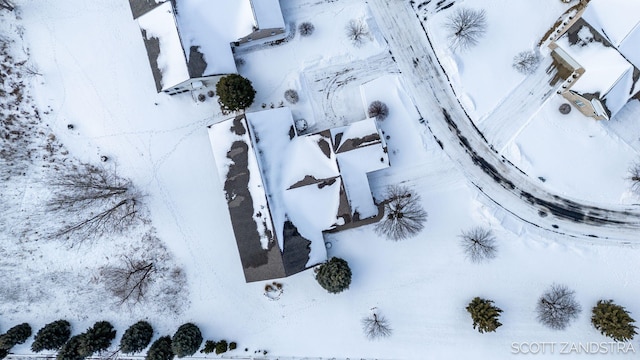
(189, 42)
(597, 53)
(283, 190)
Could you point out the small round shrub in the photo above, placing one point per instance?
(187, 340)
(334, 275)
(221, 347)
(233, 345)
(291, 96)
(378, 110)
(52, 336)
(306, 28)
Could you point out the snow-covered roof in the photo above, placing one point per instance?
(311, 183)
(164, 46)
(614, 19)
(268, 14)
(196, 37)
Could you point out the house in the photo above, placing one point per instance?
(283, 190)
(189, 42)
(597, 54)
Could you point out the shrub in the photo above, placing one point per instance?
(52, 336)
(71, 349)
(187, 340)
(233, 345)
(221, 347)
(484, 315)
(378, 110)
(97, 338)
(136, 337)
(526, 62)
(291, 96)
(334, 275)
(306, 28)
(160, 349)
(14, 336)
(234, 93)
(613, 321)
(557, 307)
(479, 244)
(209, 347)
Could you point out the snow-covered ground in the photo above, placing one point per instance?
(95, 75)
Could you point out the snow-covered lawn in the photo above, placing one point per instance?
(95, 75)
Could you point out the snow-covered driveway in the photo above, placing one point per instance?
(490, 172)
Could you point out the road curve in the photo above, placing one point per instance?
(491, 173)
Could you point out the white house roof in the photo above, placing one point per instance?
(268, 14)
(613, 18)
(171, 63)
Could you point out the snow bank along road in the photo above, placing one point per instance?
(502, 182)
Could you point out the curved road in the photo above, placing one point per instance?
(490, 172)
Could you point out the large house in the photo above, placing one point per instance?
(189, 42)
(597, 54)
(283, 190)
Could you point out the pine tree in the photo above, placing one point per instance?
(70, 349)
(187, 340)
(235, 93)
(160, 349)
(52, 336)
(221, 347)
(14, 336)
(136, 337)
(334, 275)
(97, 338)
(613, 321)
(484, 315)
(209, 347)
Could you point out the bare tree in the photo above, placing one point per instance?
(404, 217)
(479, 244)
(357, 31)
(378, 110)
(466, 26)
(375, 325)
(129, 281)
(634, 177)
(526, 62)
(7, 5)
(91, 202)
(306, 28)
(557, 307)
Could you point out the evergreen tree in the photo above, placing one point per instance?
(52, 336)
(235, 93)
(3, 353)
(160, 349)
(209, 347)
(70, 349)
(16, 335)
(187, 340)
(334, 275)
(97, 338)
(221, 347)
(136, 338)
(484, 315)
(233, 345)
(613, 321)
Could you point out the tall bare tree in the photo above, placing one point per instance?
(404, 216)
(92, 202)
(557, 307)
(7, 5)
(357, 31)
(479, 244)
(129, 281)
(466, 26)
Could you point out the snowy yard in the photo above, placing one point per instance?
(94, 75)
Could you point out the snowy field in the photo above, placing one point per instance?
(94, 74)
